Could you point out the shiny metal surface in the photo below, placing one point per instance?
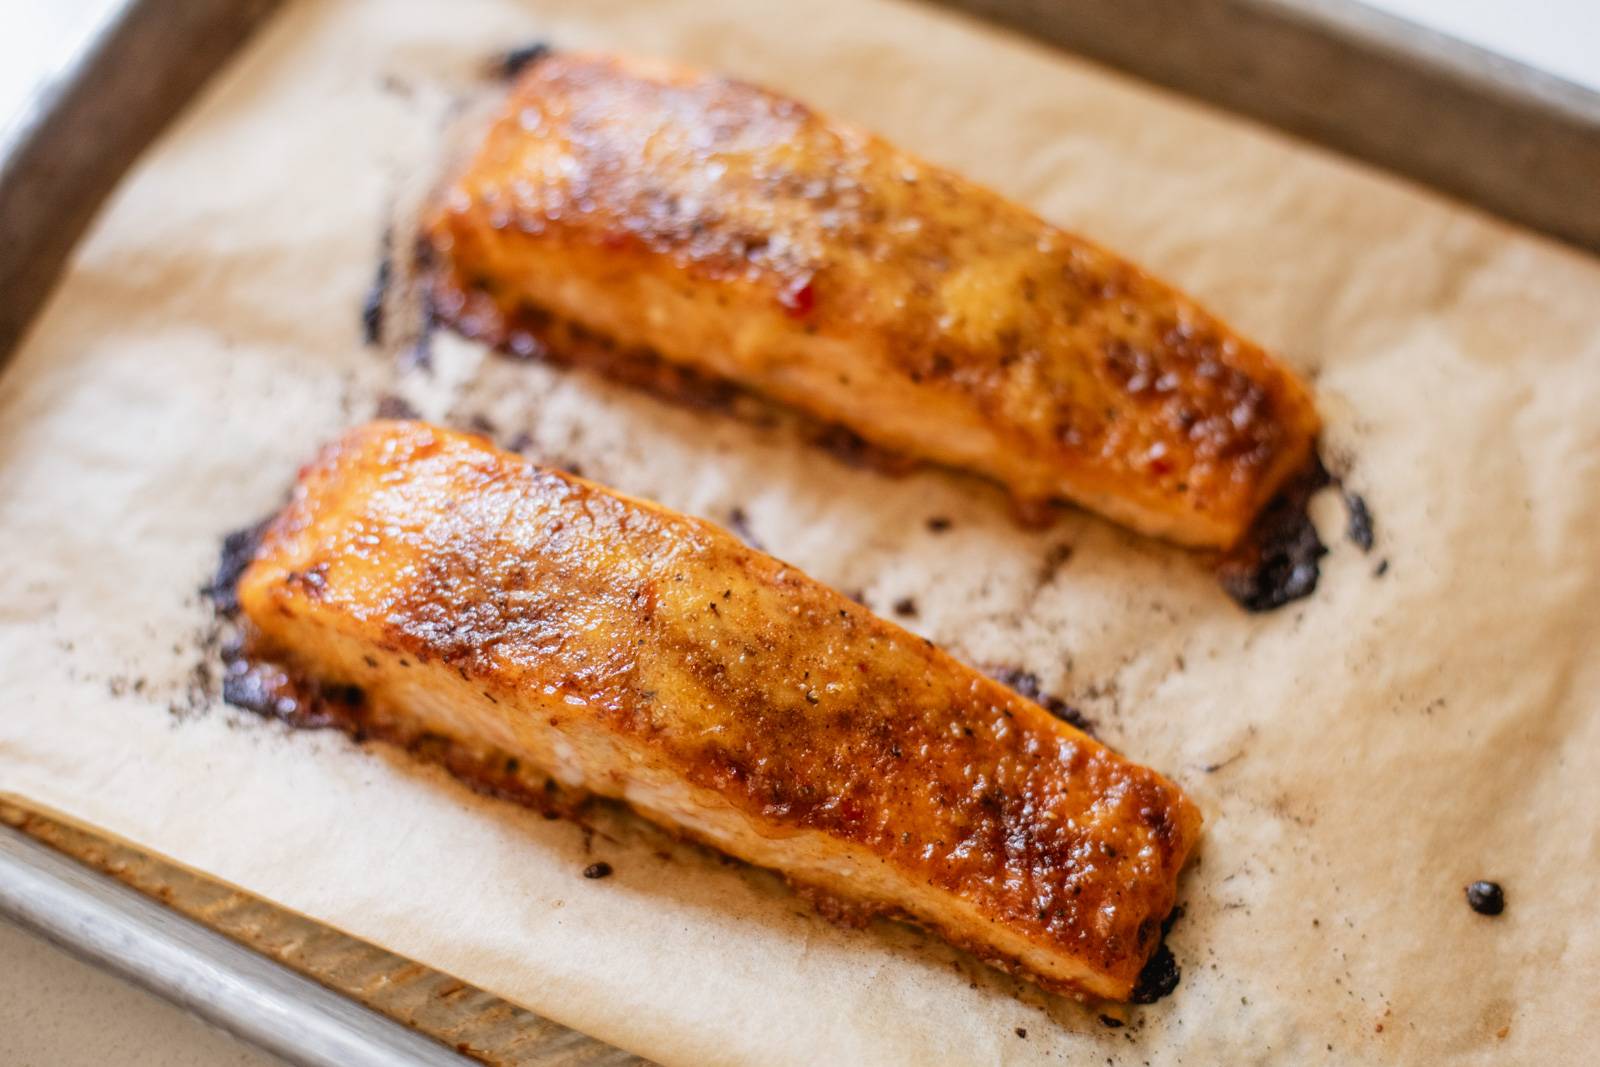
(1488, 130)
(288, 984)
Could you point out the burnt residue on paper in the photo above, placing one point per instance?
(1026, 684)
(507, 65)
(372, 306)
(1161, 972)
(1278, 561)
(238, 550)
(1358, 524)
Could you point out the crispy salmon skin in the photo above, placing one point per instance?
(634, 653)
(720, 227)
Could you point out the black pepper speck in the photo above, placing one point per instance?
(1486, 898)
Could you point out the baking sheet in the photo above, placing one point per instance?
(1360, 756)
(1376, 87)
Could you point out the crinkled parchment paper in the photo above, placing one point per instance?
(1360, 756)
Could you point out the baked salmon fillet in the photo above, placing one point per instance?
(716, 226)
(535, 620)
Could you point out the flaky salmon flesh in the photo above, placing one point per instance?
(732, 231)
(535, 619)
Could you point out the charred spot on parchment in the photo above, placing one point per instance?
(1277, 560)
(378, 292)
(509, 64)
(1161, 972)
(238, 550)
(1359, 524)
(1026, 684)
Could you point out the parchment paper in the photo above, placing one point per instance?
(1360, 756)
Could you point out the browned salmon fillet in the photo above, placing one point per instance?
(538, 620)
(713, 225)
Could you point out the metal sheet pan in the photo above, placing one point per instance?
(295, 987)
(1510, 139)
(1334, 72)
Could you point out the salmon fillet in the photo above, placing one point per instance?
(539, 621)
(719, 227)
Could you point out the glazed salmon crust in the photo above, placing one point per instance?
(716, 226)
(539, 620)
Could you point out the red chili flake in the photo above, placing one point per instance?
(799, 300)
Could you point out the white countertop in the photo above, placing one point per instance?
(58, 1012)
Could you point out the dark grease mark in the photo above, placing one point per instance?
(906, 607)
(372, 306)
(1112, 1021)
(1026, 684)
(1022, 1032)
(1486, 898)
(597, 870)
(1277, 561)
(939, 524)
(238, 551)
(510, 64)
(1359, 526)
